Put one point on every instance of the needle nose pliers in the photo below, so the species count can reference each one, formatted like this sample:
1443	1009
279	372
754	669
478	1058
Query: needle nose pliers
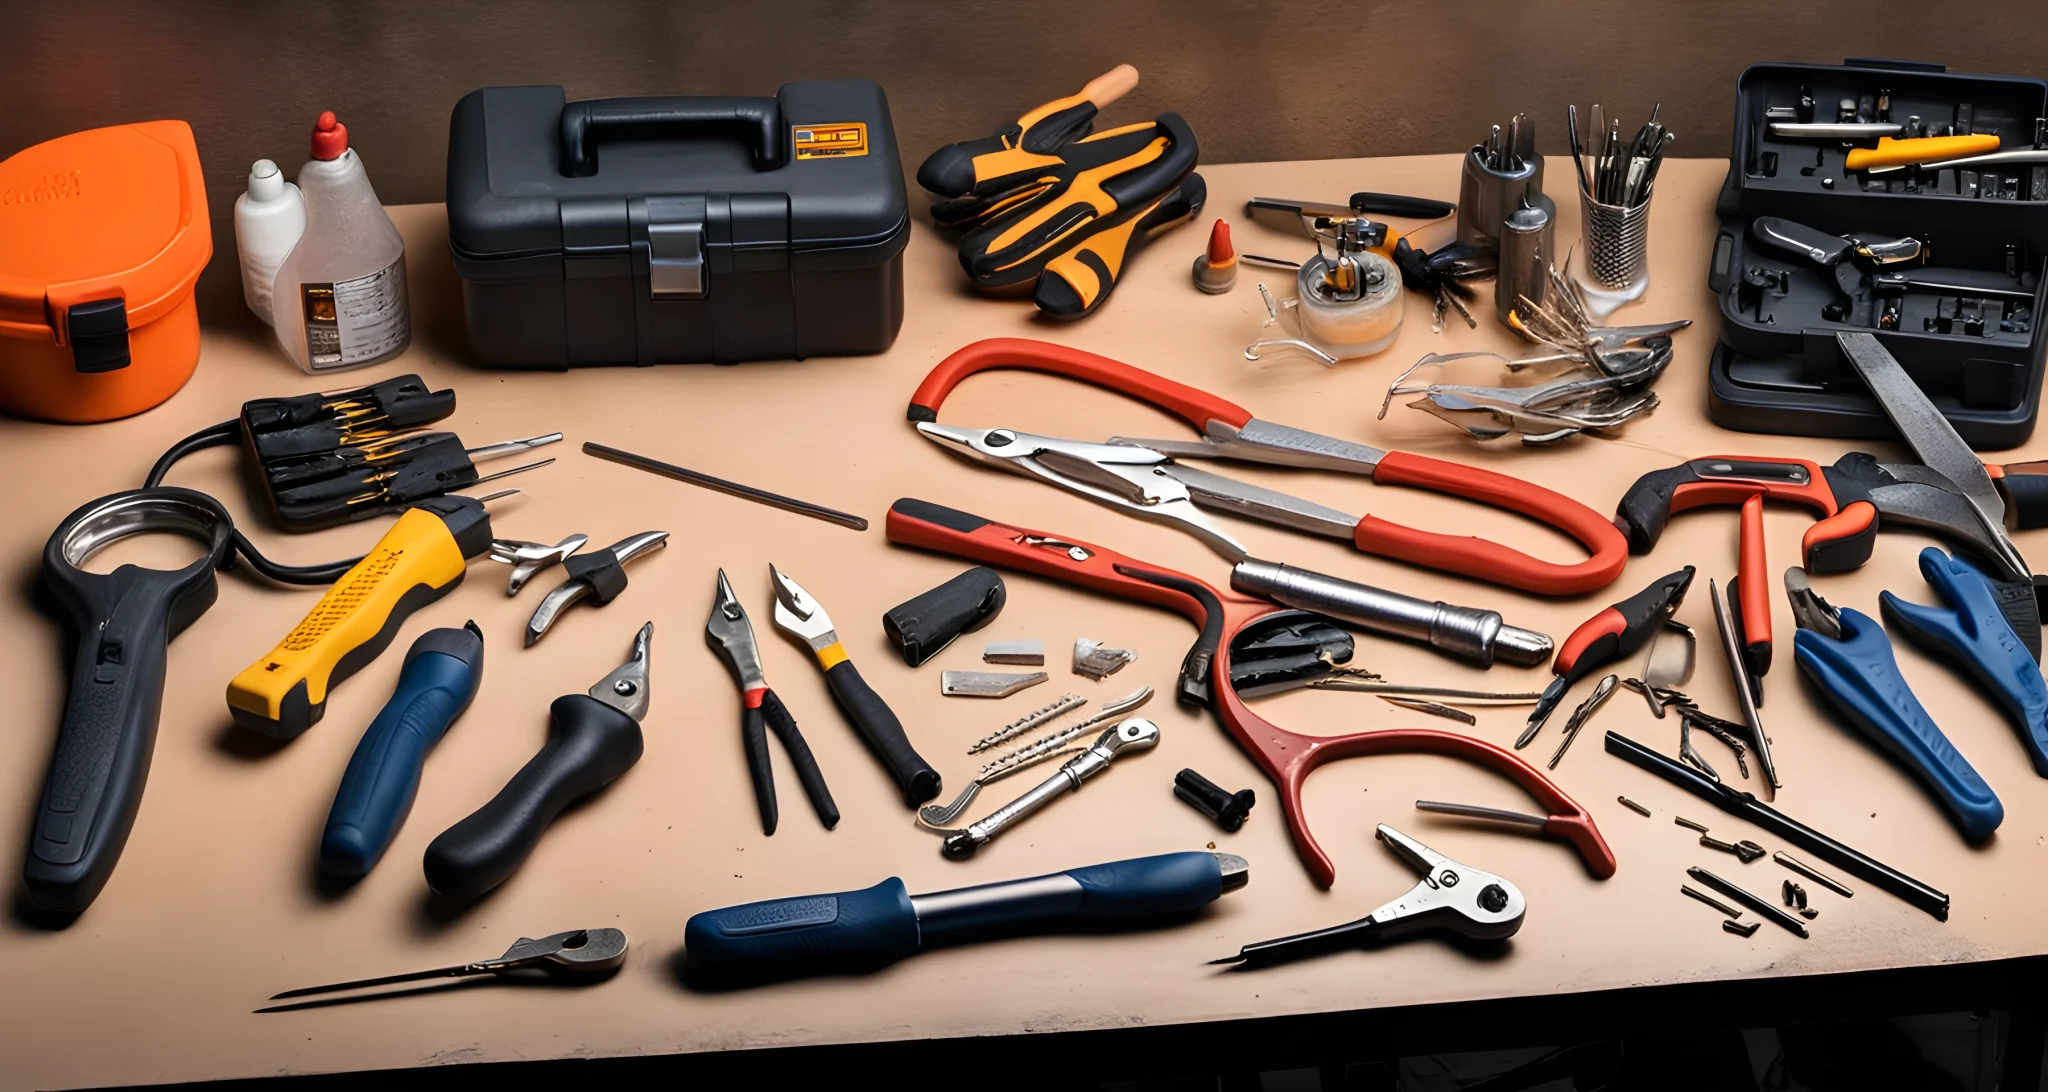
732	634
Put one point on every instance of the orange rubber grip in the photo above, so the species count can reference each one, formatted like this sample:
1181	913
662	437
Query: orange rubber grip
1754	584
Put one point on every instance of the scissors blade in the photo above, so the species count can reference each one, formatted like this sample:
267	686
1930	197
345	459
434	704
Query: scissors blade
1224	494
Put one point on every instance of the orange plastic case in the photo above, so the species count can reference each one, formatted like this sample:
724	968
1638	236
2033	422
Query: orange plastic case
102	237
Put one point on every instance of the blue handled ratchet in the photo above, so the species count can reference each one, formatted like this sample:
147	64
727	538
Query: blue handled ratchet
440	677
1847	655
1973	632
855	931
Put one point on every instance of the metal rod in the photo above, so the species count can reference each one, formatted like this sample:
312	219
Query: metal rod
1812	873
748	492
1764	907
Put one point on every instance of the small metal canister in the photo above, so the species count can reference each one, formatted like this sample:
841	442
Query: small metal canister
1486	196
1524	272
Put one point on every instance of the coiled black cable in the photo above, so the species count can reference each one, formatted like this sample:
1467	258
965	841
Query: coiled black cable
221	435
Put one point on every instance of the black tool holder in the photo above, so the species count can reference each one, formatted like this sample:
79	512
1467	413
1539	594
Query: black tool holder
1777	368
311	453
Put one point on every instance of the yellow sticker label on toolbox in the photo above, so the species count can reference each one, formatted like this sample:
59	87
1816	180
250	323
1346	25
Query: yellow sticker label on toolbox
830	141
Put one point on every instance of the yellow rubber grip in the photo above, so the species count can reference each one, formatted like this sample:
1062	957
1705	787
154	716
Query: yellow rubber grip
1891	152
413	564
832	655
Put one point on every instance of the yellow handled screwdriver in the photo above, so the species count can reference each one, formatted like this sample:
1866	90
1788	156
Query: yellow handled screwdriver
1891	152
419	560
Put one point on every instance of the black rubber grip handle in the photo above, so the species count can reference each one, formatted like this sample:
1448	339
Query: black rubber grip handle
1394	204
799	751
589	745
94	787
884	733
756	121
754	738
922	625
2026	490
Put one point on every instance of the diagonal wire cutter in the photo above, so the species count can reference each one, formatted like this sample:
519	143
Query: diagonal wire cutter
732	634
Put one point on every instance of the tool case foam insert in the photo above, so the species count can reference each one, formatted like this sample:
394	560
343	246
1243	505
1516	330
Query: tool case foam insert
674	230
1787	375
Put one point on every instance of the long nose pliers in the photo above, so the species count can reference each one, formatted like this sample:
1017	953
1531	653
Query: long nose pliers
732	634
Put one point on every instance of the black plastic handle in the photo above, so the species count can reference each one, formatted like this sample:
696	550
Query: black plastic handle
2025	486
754	740
757	122
884	733
799	751
589	745
1368	203
125	621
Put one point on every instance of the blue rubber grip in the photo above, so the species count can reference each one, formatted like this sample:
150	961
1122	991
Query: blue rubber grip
1860	676
810	934
440	677
1974	632
1170	883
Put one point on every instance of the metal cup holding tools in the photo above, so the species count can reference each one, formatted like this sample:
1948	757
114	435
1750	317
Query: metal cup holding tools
1616	242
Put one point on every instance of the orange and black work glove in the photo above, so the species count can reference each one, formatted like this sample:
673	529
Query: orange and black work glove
1048	202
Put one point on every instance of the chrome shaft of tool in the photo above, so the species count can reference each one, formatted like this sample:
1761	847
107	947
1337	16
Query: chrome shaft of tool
1466	633
1731	647
529	558
1602	690
1133	735
1044	749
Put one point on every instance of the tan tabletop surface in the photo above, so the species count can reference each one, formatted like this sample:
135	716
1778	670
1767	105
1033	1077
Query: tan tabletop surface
214	905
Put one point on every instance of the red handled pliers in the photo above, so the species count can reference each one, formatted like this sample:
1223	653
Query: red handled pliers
1286	757
1231	432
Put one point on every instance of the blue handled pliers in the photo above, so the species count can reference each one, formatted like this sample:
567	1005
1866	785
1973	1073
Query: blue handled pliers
1848	656
1974	632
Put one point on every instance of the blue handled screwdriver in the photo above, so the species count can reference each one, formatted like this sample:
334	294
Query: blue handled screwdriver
864	930
437	682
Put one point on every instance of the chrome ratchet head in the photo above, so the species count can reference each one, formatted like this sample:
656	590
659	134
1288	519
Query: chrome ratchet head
1452	896
1135	734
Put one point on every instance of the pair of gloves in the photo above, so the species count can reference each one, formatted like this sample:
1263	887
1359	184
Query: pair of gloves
1050	206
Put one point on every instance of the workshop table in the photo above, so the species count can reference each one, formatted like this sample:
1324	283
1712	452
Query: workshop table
215	904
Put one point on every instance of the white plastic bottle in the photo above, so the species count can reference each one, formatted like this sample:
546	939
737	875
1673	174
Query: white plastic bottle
339	300
269	219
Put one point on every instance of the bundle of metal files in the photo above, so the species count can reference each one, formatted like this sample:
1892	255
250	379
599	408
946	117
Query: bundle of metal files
1597	379
1623	176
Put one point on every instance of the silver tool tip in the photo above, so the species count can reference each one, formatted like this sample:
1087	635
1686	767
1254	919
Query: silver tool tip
1237	871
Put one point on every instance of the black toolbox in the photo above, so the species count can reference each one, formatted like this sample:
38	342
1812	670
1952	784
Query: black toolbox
1979	352
676	230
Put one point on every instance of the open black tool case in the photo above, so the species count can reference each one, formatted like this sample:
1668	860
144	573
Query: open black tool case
1978	350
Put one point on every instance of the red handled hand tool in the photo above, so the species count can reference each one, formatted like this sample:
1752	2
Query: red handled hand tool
1854	498
1231	432
1606	637
1286	757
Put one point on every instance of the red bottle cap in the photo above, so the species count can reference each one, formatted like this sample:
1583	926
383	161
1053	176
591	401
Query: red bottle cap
330	137
1220	253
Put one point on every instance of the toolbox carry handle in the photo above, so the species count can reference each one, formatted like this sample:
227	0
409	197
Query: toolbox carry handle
756	121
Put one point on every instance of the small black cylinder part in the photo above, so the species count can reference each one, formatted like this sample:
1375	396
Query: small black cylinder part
922	626
1227	808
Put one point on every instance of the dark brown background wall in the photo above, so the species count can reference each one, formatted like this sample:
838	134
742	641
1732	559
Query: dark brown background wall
1283	79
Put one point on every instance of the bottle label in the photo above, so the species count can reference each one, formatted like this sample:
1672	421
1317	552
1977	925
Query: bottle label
356	321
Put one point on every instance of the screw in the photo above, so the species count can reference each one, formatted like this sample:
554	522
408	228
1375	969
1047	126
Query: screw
1633	806
1492	898
1808	912
624	688
1742	930
1228	809
1689	824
